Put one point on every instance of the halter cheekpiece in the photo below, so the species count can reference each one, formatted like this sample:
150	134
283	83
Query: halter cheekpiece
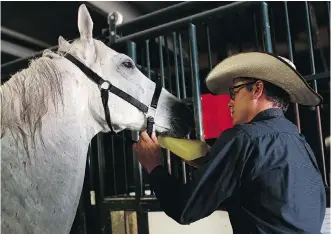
105	87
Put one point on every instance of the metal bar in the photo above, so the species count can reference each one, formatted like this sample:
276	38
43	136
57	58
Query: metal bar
129	204
178	94
90	169
15	50
184	92
256	32
174	41
182	64
238	40
142	221
219	11
148	62
196	82
169	161
101	165
168	63
143	68
272	29
161	61
314	86
266	27
210	63
24	37
135	136
156	14
92	203
290	51
113	162
112	27
318	76
167	152
105	220
124	164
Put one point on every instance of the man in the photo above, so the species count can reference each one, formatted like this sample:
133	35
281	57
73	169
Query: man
262	171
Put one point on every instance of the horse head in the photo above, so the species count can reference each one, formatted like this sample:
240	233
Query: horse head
173	117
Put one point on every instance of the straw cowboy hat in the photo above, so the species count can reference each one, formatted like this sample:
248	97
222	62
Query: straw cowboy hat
263	66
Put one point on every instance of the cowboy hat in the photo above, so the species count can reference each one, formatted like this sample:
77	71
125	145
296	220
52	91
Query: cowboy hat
263	66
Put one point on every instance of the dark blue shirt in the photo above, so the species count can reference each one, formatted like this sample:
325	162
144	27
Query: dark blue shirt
263	173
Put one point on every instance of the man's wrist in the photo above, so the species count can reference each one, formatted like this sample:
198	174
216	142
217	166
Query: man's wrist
151	168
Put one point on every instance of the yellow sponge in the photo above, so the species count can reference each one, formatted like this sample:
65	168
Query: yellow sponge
184	148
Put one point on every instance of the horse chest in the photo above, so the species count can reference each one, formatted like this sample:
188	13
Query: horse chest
40	195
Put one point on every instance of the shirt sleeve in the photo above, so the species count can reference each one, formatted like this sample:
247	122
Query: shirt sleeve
215	181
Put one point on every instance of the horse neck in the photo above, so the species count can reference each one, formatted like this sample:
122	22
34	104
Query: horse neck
48	179
66	127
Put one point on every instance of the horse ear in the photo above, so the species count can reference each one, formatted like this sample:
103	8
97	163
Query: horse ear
63	42
85	23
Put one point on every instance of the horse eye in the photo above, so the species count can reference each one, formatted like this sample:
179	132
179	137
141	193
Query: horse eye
127	64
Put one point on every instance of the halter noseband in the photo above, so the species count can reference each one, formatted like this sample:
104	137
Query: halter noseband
105	87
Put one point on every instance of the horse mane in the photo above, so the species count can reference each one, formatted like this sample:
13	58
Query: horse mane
25	98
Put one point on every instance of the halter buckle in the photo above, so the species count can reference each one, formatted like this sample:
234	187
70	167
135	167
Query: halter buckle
102	85
151	112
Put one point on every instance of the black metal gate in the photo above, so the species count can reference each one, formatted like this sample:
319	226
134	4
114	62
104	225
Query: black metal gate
180	51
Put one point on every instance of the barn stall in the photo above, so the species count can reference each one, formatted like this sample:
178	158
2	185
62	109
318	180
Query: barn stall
177	46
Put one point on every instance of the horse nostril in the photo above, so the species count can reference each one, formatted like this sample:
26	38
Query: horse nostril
188	102
186	114
182	118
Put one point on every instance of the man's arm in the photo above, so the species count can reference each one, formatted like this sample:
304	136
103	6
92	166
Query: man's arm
215	181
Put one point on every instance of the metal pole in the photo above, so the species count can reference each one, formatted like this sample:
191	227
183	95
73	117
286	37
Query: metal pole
148	62
314	86
266	27
113	162
182	64
169	161
101	165
161	61
135	136
174	41
155	14
24	37
168	64
196	83
290	51
124	164
184	91
219	11
256	31
210	63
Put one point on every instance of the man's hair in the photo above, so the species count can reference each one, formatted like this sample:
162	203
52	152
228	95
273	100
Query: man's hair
278	96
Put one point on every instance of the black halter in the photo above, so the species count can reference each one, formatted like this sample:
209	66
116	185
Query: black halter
105	86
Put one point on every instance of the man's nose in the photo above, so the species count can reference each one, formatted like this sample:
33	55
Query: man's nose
230	104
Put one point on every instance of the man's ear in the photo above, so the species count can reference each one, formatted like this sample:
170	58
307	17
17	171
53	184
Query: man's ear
258	89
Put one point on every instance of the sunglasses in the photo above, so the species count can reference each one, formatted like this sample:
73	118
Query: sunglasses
239	87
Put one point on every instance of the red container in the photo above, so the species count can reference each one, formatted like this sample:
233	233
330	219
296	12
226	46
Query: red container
215	114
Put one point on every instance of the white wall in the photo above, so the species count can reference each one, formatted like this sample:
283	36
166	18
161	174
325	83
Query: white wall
216	223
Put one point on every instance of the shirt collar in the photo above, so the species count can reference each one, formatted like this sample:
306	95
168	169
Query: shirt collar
268	114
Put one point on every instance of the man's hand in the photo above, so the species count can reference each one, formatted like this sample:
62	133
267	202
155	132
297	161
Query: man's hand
148	151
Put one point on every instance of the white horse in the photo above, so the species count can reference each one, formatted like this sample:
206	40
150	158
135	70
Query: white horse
49	114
